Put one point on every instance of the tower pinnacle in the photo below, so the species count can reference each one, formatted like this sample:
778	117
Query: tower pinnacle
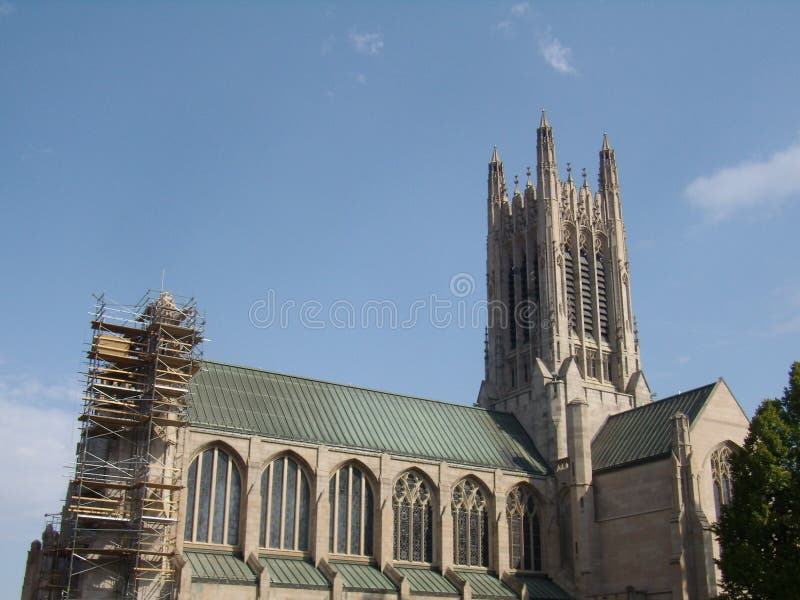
543	121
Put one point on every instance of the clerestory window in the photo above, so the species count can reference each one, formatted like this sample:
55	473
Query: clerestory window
413	518
213	498
470	525
524	530
285	499
352	508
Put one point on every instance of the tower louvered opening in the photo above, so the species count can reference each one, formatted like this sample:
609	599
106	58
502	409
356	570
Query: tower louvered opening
602	299
569	277
526	331
512	307
586	297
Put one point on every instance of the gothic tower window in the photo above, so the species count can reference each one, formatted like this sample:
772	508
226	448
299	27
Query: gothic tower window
586	297
721	478
413	518
524	530
602	297
352	509
470	525
285	495
512	309
213	497
526	326
569	275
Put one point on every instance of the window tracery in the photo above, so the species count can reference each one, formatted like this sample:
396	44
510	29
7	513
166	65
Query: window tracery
721	478
413	519
524	530
470	525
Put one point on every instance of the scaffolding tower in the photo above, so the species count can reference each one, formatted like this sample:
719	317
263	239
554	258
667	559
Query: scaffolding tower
119	525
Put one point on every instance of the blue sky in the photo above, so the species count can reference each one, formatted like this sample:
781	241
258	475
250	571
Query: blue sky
337	152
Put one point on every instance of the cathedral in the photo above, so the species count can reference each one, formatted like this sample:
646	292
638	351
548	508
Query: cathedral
201	480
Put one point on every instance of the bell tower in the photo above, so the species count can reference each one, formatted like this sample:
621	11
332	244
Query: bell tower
560	320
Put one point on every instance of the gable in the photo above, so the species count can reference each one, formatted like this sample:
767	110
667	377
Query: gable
644	432
244	400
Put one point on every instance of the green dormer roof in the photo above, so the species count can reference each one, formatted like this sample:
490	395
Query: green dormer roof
286	407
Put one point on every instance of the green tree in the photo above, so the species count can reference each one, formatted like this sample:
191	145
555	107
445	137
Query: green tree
759	530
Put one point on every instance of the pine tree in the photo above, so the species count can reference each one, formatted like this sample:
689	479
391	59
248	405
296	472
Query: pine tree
759	530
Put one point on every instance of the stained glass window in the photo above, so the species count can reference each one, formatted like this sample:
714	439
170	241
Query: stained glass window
524	530
721	478
470	531
351	504
413	519
213	496
285	504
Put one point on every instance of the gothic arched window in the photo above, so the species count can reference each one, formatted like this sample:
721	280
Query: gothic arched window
470	525
721	478
285	499
602	296
524	530
569	276
413	518
351	504
586	296
213	498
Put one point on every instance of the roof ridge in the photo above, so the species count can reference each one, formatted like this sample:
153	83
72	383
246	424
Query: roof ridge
360	387
657	402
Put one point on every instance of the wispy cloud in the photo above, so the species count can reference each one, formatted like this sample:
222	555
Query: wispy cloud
361	78
556	55
505	27
520	8
748	184
367	43
6	8
37	431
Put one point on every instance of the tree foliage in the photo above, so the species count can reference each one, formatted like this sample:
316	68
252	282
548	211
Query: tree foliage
759	530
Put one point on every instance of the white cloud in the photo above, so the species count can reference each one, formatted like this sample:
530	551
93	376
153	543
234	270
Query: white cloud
6	8
361	78
505	27
367	43
520	8
38	430
748	184
556	55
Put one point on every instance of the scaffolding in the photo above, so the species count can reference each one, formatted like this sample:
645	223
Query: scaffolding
118	530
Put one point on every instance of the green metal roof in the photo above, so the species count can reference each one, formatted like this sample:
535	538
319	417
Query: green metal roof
485	585
252	401
427	582
293	573
220	567
359	577
541	588
644	433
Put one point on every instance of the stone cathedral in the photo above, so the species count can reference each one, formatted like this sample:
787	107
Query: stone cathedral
200	480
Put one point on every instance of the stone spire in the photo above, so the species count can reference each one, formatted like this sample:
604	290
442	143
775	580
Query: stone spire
608	167
497	191
546	165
